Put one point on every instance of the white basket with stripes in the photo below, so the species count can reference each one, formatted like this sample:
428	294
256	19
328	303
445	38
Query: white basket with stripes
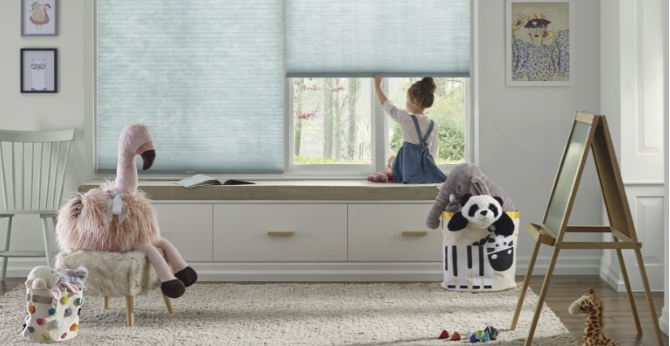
475	259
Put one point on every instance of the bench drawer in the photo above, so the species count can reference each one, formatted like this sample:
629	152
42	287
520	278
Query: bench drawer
280	232
392	233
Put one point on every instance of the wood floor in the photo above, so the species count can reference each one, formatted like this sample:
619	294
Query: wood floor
619	324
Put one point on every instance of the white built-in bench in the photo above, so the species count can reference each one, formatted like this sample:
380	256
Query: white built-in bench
300	230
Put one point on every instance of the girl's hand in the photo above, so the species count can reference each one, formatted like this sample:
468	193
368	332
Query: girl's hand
378	80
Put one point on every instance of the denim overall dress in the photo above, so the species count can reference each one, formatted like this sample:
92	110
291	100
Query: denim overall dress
414	164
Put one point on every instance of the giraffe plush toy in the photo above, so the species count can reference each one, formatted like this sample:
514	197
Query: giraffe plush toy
591	305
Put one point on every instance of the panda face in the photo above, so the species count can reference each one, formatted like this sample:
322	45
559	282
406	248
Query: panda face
481	211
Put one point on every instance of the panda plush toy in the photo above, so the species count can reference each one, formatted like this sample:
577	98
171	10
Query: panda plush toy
485	211
482	211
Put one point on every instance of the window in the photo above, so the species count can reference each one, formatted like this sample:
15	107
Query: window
333	122
271	87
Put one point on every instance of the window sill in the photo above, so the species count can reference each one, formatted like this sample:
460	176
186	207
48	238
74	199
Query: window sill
303	190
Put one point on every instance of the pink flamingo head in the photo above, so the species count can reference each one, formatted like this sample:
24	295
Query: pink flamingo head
134	140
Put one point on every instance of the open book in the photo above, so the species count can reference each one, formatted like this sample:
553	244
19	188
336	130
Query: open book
203	180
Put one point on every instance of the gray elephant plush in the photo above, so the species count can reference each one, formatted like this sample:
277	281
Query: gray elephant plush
463	179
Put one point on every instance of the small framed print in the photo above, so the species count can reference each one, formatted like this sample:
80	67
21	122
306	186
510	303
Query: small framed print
39	17
39	70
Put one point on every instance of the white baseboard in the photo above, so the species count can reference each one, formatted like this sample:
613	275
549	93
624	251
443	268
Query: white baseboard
337	271
612	276
663	320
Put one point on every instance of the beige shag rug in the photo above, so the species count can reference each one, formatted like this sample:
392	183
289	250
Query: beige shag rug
301	314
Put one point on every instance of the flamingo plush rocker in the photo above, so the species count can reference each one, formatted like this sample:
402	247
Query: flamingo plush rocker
117	217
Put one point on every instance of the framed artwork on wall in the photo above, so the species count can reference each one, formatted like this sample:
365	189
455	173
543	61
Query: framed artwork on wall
38	70
538	42
39	17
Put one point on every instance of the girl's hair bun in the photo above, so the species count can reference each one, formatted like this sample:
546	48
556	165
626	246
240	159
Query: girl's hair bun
428	84
423	91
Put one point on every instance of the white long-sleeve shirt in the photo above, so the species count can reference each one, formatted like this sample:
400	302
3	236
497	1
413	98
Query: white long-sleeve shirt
409	130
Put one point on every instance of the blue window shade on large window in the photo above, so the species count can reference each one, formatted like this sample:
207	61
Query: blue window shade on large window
361	38
205	76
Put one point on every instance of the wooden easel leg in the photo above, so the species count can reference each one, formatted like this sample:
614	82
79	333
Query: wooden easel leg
543	294
526	282
129	310
168	303
647	292
106	303
628	290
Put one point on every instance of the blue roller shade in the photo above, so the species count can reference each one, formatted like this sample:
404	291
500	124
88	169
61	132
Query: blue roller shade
206	76
361	38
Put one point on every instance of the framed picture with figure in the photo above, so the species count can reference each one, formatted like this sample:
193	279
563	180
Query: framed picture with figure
538	42
39	70
39	17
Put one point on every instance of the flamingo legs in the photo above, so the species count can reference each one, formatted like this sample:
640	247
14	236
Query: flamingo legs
170	285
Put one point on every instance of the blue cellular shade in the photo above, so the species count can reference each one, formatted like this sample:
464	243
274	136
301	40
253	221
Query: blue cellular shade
205	76
362	38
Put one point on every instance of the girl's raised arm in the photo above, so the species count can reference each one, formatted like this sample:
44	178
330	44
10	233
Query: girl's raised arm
378	90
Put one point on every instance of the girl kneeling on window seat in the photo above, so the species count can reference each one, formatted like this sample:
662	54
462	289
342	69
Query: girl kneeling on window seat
414	163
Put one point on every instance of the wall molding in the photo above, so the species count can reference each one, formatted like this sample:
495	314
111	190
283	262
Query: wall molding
340	271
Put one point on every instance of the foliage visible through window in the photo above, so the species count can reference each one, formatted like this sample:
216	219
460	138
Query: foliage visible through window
448	111
332	120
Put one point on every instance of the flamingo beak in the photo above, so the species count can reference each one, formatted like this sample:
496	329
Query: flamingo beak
148	158
148	154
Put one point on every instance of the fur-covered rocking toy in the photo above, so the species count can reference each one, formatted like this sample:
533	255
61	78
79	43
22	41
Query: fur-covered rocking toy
118	218
591	305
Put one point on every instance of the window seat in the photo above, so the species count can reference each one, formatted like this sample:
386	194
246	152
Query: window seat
303	190
300	230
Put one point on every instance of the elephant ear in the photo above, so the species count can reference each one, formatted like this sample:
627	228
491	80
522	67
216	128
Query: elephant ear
479	186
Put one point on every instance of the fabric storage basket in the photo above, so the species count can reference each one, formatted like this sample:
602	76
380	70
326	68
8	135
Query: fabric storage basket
51	320
475	259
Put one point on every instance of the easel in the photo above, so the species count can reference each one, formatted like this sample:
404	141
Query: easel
588	131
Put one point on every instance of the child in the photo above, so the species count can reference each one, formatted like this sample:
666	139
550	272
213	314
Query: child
414	163
386	176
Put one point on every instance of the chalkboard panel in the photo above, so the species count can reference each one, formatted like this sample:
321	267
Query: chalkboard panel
566	178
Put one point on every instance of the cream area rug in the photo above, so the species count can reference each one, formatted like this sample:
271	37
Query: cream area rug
301	314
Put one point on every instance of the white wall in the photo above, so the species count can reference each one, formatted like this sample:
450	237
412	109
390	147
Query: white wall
632	87
70	107
522	133
663	320
523	130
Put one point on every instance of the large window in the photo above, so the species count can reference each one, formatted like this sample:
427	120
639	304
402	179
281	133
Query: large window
333	122
276	88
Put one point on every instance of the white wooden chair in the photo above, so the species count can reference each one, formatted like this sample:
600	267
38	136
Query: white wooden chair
32	166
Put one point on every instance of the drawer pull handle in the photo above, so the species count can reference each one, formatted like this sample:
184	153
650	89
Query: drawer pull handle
280	234
414	233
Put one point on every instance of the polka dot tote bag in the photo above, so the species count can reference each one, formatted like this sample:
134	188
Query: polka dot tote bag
48	319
